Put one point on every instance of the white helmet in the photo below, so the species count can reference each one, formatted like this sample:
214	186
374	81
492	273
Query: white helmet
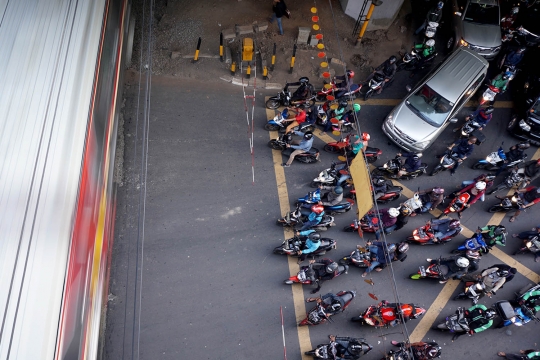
462	262
430	43
480	185
393	212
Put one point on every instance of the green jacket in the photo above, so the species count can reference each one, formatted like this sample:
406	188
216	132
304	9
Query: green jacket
531	300
488	233
477	318
426	51
499	82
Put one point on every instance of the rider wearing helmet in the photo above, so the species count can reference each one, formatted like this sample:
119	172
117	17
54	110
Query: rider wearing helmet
463	148
311	245
433	15
345	84
514	57
324	269
431	198
482	116
529	196
501	81
331	303
493	278
337	113
397	253
517	151
402	219
457	267
476	190
344	347
333	197
381	254
445	228
479	318
380	186
411	163
388	69
315	217
425	50
474	260
531	169
494	235
304	90
299	146
421	350
530	235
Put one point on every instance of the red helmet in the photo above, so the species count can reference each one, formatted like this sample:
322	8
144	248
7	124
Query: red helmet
350	73
365	136
538	161
317	209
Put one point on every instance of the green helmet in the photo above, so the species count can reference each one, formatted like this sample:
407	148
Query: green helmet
356	107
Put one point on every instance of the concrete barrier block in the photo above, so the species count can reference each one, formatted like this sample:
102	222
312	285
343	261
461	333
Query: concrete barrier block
228	34
303	35
228	55
244	29
261	27
313	41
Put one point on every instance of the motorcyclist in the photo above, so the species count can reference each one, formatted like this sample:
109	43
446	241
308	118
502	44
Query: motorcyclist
463	148
482	116
444	228
411	163
345	348
431	198
299	117
530	354
529	235
501	81
349	116
380	187
488	179
304	90
337	114
388	69
421	350
516	152
323	270
401	220
457	266
493	279
479	318
433	15
314	218
299	146
360	142
311	114
425	50
333	197
380	254
529	196
398	255
476	190
514	57
508	20
388	218
311	245
494	235
331	303
531	169
345	84
474	260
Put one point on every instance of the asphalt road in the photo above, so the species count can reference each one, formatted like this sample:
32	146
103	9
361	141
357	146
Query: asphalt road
210	287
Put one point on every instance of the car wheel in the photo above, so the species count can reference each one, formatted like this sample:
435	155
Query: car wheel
450	44
512	124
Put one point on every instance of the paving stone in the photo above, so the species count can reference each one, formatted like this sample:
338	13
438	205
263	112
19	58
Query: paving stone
175	54
303	35
244	29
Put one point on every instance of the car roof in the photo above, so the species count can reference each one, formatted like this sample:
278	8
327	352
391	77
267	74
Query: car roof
485	2
457	72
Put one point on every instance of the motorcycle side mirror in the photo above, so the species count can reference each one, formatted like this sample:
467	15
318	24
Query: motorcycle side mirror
408	88
453	120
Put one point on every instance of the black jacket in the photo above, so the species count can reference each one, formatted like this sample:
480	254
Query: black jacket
279	8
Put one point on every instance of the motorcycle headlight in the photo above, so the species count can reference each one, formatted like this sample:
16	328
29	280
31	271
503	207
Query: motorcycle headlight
390	121
524	126
369	321
421	144
463	43
526	86
529	244
385	166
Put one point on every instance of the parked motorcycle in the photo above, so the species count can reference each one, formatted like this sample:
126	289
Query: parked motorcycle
386	314
328	351
375	84
293	245
516	179
531	245
507	204
495	160
457	204
279	123
448	161
331	90
391	169
322	313
313	197
283	98
424	235
306	275
297	218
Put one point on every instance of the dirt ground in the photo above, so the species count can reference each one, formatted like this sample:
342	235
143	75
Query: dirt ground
178	25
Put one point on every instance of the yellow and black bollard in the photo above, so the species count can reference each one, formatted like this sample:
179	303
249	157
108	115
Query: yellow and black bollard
233	68
221	47
265	72
273	58
197	51
248	71
366	22
292	59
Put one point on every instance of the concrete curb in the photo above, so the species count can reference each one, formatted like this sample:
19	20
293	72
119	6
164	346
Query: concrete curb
236	80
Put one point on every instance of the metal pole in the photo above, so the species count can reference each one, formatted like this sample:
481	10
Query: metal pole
366	22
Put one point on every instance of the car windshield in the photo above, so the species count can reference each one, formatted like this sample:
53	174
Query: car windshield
535	109
482	14
430	106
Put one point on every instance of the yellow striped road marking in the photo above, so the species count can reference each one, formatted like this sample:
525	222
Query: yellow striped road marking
298	295
394	102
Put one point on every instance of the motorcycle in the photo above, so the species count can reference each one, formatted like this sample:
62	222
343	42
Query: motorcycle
457	204
401	354
331	90
319	314
391	169
360	257
524	306
516	179
424	235
322	118
507	204
327	351
495	160
293	245
327	177
375	84
476	243
448	161
340	146
392	192
385	314
413	61
531	245
306	275
366	224
283	98
488	96
307	157
459	324
279	123
435	271
472	290
297	217
468	128
313	197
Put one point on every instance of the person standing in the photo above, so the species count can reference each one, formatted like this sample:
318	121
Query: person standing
279	10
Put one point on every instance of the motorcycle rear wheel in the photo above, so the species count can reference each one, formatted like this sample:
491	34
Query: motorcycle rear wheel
479	166
348	228
437	170
331	149
306	159
274	145
442	326
272	104
368	94
278	250
496	208
288	282
415	276
358	319
271	127
371	159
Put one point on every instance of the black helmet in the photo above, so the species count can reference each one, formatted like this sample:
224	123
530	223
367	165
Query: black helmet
433	351
379	181
335	306
502	272
343	103
331	268
304	80
488	110
403	247
417	157
316	237
308	135
392	59
490	314
500	230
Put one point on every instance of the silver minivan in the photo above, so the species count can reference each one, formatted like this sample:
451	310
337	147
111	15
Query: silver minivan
424	114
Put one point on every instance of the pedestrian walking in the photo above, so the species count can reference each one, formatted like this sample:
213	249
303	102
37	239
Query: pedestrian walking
279	9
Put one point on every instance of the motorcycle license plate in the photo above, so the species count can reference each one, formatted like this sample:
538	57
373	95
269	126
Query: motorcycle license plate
489	95
422	271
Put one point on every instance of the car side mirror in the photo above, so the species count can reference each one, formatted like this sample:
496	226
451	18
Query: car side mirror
408	88
453	120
